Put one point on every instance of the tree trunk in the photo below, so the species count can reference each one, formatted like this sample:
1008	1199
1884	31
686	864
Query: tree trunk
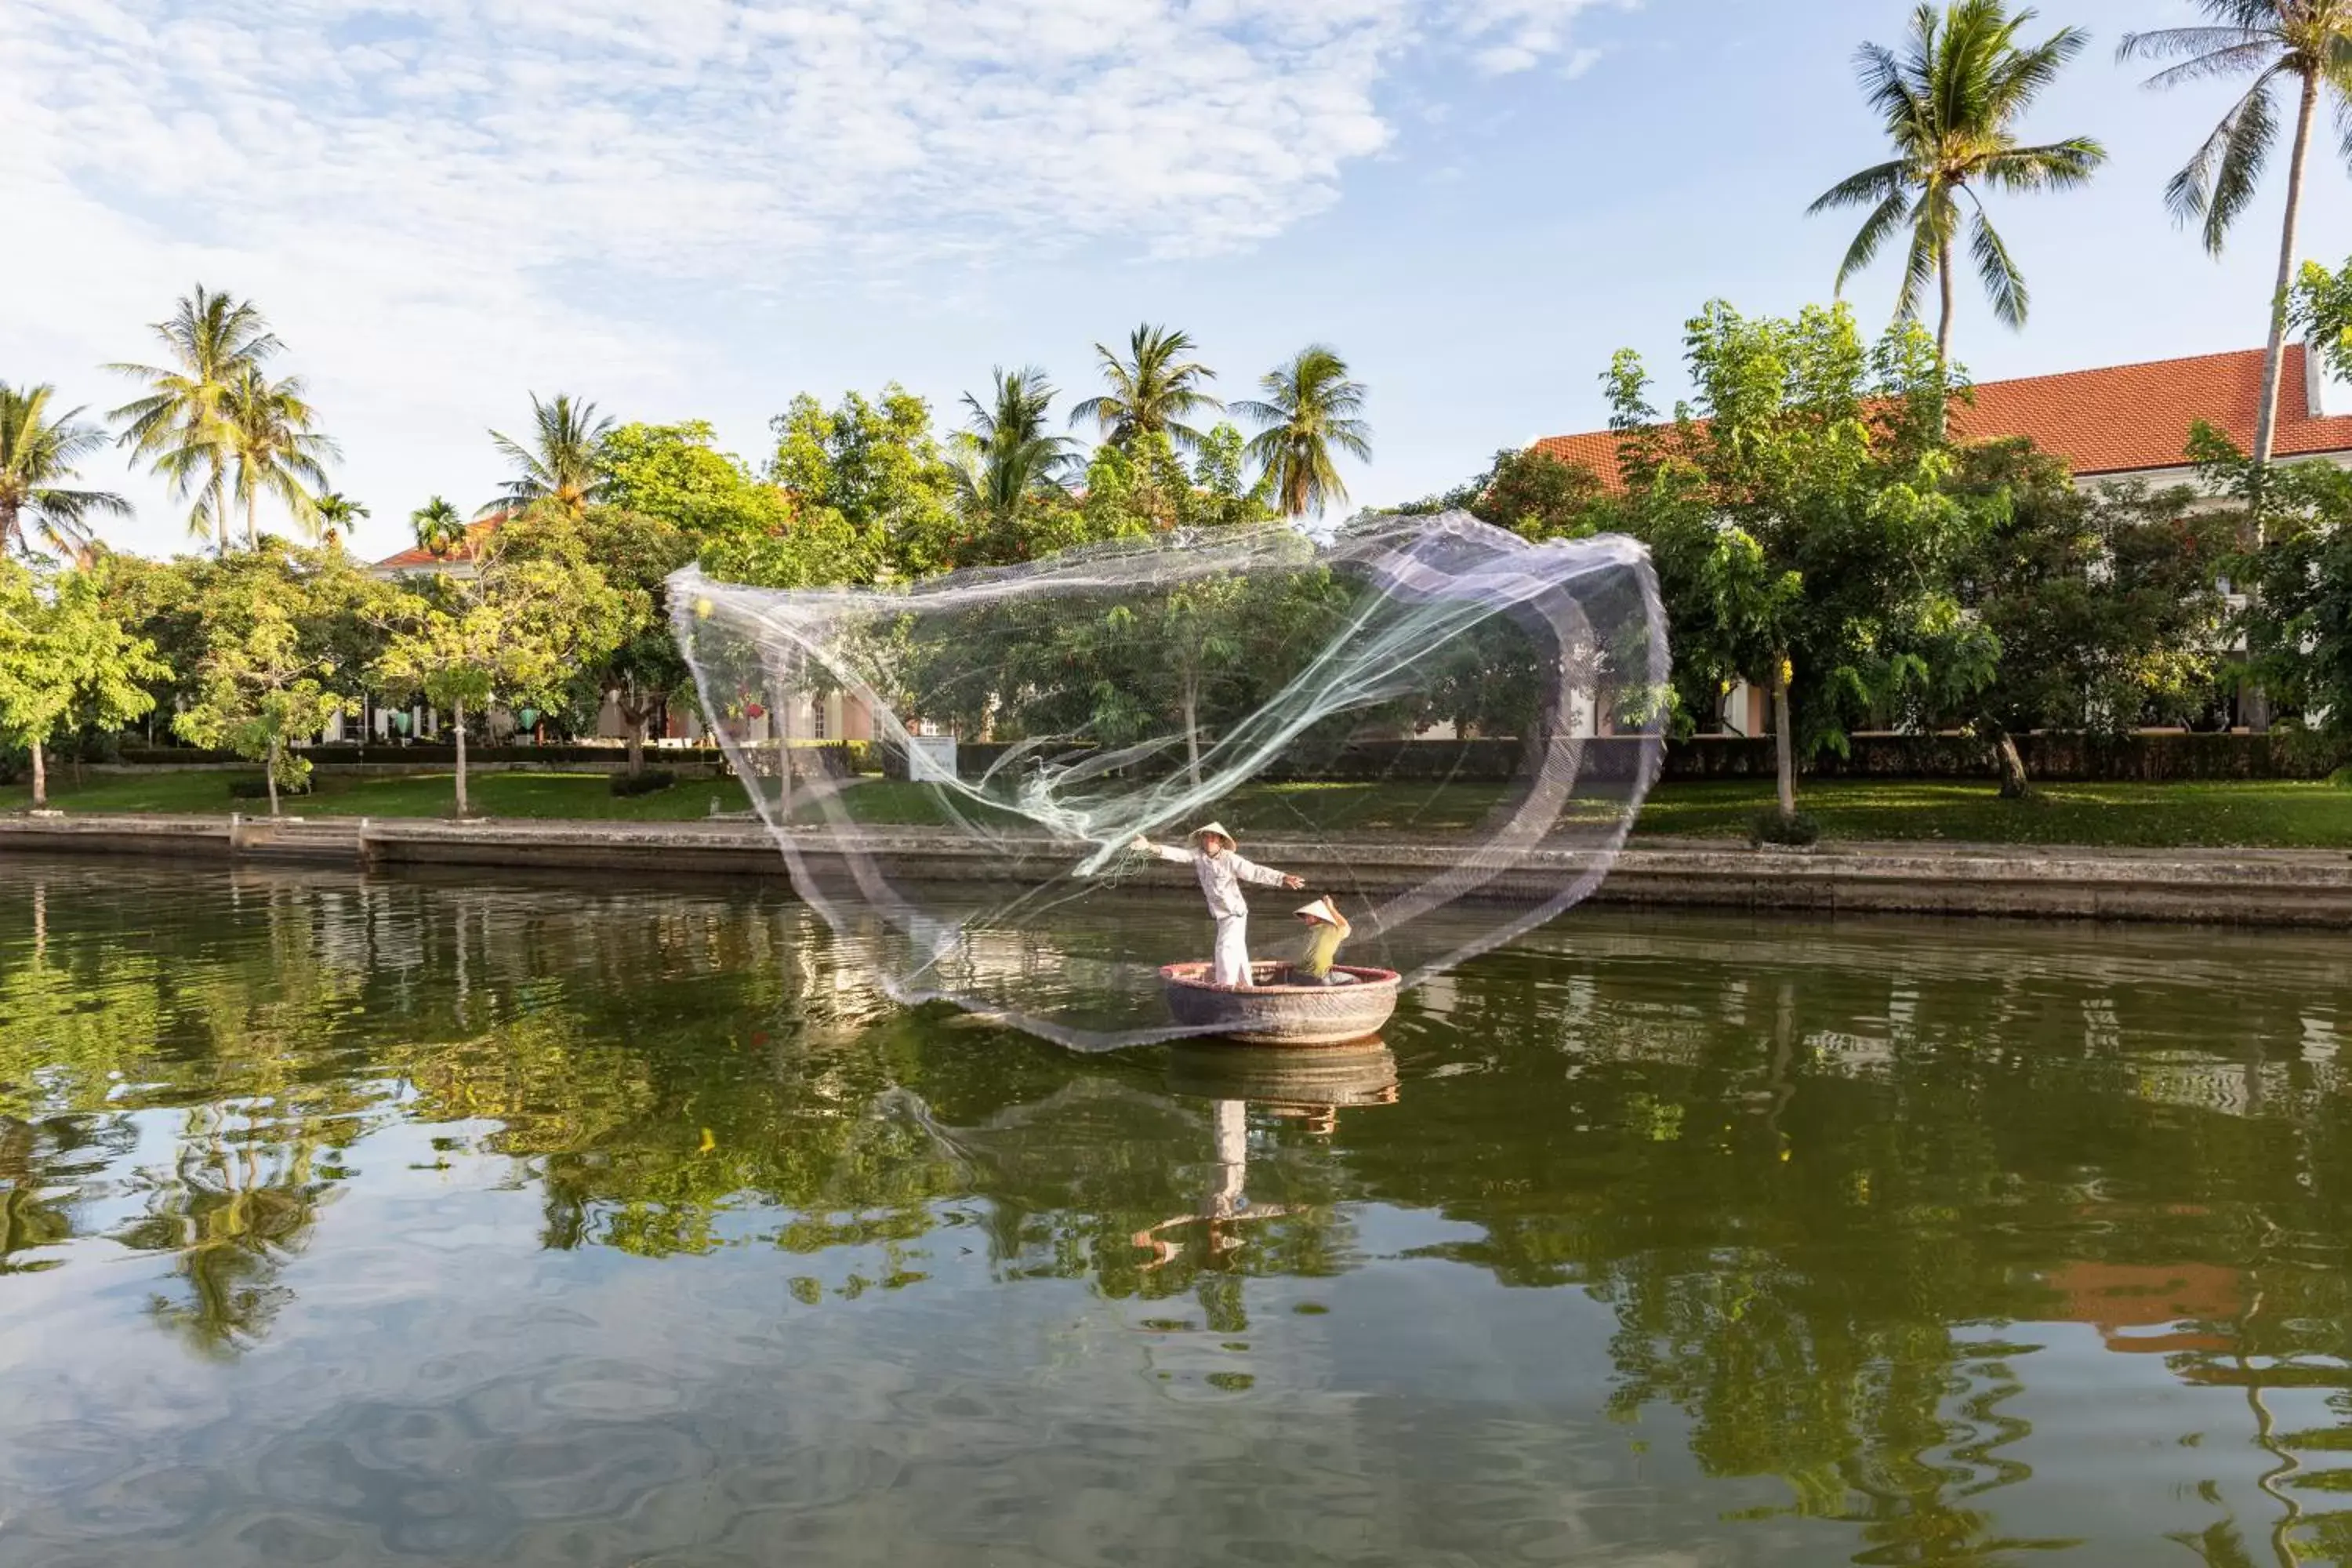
252	512
458	716
2013	782
9	524
1944	337
2273	362
1784	744
40	777
269	775
636	745
1193	727
220	517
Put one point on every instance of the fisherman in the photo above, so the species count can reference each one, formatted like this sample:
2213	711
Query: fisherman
1222	870
1326	927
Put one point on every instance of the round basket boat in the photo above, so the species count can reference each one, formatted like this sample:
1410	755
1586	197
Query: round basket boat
1272	1014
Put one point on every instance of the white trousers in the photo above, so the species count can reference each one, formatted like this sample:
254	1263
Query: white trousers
1231	962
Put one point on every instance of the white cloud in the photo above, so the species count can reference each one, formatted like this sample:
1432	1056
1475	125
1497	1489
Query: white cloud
424	183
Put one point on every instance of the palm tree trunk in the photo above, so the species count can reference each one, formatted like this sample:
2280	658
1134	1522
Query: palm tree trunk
40	777
2266	417
1944	321
1784	744
252	507
459	717
9	524
220	515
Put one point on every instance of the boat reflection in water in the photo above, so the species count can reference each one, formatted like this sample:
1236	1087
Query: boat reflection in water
1311	1086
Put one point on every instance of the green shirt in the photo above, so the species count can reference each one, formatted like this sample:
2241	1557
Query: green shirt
1322	946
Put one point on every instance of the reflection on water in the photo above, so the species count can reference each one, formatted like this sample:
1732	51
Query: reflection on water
370	1222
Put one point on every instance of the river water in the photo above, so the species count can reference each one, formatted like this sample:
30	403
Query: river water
400	1222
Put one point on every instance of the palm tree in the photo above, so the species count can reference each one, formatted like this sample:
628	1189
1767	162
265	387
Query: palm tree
336	513
1310	409
563	464
38	454
1951	104
2307	40
1152	391
276	448
1007	457
179	426
439	526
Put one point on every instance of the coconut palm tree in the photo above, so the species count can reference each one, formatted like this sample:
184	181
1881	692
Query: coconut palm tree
38	454
1006	456
2305	43
1950	103
564	462
276	448
336	512
438	527
1310	411
1152	391
179	426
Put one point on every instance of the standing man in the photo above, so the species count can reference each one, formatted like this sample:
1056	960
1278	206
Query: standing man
1222	870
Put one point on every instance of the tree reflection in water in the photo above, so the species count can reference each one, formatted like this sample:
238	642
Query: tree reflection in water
1843	1190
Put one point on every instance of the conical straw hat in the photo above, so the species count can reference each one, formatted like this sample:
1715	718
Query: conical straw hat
1220	829
1321	909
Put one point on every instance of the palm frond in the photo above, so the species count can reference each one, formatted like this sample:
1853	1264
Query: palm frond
1877	229
2220	177
1870	187
1920	263
2004	285
2236	60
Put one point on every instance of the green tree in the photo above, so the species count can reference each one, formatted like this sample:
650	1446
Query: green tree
1951	104
514	630
560	462
2294	528
282	636
66	660
676	473
873	495
276	448
1309	415
338	514
2305	43
38	452
636	665
1153	391
1006	462
1221	476
2104	605
438	525
181	426
1798	514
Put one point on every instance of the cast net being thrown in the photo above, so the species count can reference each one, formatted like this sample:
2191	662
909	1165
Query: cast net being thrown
1444	727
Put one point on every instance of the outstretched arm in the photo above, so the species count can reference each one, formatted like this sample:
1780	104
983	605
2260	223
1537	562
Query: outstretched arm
1175	852
1265	876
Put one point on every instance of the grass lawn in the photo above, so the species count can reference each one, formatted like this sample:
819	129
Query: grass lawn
2136	815
338	794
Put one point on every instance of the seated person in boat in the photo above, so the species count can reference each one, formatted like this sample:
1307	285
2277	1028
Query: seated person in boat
1326	927
1218	863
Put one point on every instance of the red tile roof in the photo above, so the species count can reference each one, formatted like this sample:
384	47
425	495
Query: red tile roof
2119	419
418	558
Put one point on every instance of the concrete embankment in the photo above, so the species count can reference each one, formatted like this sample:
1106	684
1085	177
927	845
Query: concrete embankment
2276	887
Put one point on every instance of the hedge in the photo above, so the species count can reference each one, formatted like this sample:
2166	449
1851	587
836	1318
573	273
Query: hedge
2154	756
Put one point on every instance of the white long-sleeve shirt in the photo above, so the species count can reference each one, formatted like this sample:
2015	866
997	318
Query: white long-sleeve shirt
1221	877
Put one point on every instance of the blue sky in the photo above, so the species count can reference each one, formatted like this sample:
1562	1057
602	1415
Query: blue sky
699	207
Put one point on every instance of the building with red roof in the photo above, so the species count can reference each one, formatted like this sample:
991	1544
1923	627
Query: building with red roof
2120	422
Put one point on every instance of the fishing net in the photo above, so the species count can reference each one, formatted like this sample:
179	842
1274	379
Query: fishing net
1445	728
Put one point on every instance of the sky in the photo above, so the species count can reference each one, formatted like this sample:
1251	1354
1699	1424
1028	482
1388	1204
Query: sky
697	209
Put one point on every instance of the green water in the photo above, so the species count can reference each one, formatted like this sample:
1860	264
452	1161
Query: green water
369	1222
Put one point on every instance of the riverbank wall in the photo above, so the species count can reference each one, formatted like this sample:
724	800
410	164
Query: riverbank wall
2254	888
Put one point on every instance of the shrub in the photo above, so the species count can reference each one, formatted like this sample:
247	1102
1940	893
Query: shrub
1770	826
646	783
258	789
